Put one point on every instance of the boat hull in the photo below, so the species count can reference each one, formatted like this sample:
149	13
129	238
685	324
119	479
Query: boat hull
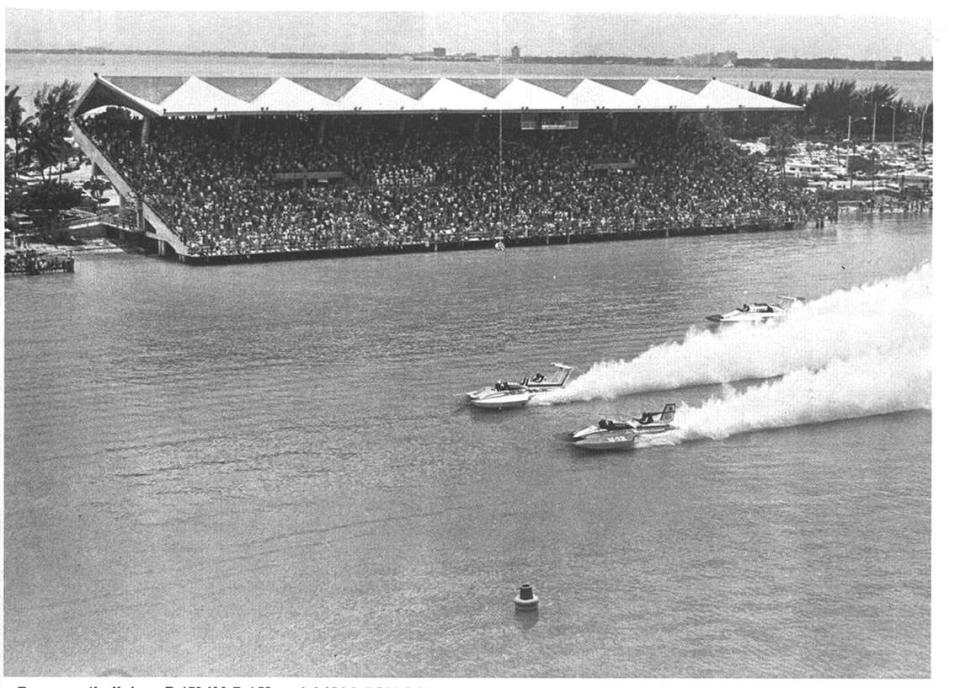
608	441
502	401
627	438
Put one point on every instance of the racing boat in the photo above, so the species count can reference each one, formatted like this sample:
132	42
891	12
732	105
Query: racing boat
755	312
624	433
509	394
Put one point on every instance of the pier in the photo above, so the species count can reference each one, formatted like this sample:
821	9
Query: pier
32	262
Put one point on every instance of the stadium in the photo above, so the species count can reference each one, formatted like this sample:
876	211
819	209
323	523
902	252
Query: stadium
226	169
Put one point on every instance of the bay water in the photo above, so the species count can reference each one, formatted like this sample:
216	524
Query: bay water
270	469
31	71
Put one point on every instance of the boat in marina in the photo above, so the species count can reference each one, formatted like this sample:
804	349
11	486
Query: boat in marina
612	434
505	394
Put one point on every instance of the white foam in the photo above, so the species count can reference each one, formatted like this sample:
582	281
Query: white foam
882	322
870	385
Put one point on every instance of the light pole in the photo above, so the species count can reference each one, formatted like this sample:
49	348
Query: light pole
850	121
923	119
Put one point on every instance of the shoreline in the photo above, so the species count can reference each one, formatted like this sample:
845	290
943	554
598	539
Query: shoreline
829	63
107	245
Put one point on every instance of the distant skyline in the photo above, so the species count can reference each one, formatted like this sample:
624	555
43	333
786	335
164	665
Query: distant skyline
541	33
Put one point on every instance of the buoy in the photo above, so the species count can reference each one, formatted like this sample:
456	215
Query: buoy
526	600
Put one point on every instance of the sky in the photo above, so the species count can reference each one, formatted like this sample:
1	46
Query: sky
683	27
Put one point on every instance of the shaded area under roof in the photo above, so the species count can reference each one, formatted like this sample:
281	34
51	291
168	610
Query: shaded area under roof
244	88
102	93
331	88
628	86
414	88
490	87
562	87
690	85
152	89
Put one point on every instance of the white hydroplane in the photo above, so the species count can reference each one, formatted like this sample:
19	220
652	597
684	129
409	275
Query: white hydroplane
755	312
509	394
624	433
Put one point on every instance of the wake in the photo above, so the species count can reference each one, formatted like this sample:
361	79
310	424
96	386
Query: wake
882	326
866	386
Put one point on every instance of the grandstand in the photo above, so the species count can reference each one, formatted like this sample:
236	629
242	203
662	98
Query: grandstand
228	168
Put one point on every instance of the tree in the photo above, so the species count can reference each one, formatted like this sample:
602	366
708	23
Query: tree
47	201
882	94
15	126
782	141
877	96
830	105
47	141
784	93
801	95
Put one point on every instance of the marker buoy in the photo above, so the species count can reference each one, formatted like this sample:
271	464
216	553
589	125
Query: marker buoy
526	600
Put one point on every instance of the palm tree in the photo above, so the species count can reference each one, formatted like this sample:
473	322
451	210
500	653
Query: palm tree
15	126
830	105
48	139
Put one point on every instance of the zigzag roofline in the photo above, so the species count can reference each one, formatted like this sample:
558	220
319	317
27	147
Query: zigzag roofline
161	96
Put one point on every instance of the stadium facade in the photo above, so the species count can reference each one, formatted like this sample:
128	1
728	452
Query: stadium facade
554	103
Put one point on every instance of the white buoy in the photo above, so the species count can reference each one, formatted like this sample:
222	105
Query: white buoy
526	601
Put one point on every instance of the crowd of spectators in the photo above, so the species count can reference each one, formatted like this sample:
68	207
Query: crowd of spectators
244	185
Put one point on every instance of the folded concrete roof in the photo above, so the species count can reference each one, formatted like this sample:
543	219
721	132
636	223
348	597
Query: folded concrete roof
178	96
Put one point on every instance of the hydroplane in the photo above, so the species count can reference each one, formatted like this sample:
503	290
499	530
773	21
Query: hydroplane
756	312
612	434
504	394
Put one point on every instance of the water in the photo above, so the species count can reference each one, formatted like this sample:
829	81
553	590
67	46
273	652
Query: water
268	469
31	70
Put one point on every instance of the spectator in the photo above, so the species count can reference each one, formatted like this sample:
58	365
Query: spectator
214	181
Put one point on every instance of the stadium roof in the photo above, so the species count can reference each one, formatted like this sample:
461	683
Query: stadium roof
178	96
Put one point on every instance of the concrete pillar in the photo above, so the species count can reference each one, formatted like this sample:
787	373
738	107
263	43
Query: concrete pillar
161	248
145	131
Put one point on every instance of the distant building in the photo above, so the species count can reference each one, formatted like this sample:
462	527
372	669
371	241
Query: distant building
727	58
439	52
515	52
